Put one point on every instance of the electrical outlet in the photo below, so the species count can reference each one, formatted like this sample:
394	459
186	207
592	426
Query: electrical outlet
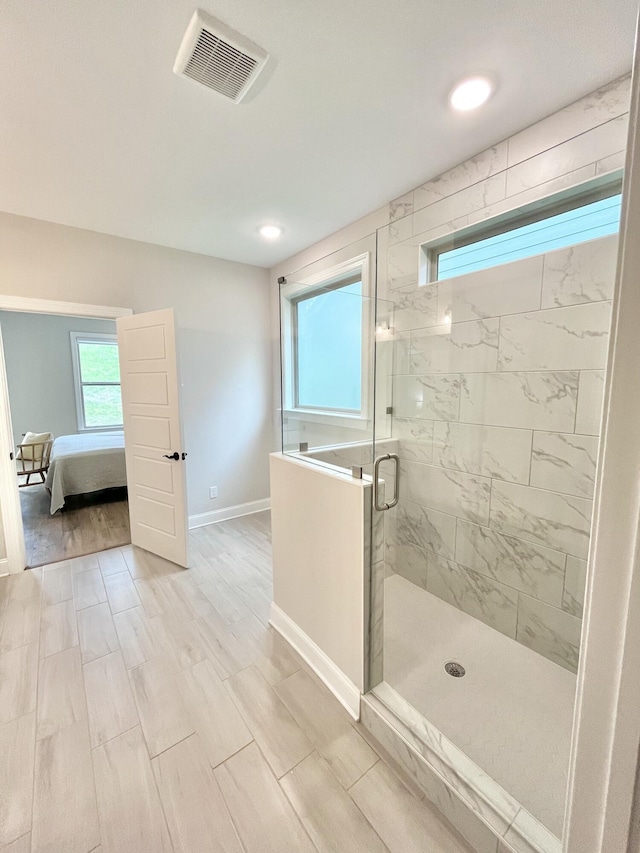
213	492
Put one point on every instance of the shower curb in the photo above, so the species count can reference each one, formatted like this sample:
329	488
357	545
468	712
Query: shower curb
489	819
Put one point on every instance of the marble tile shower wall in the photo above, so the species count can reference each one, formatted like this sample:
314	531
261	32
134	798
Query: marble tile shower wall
497	387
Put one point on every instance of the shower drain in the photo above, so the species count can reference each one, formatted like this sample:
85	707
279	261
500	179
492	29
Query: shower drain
455	669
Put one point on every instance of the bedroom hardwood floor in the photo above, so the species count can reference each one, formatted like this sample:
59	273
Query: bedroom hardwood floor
149	709
85	526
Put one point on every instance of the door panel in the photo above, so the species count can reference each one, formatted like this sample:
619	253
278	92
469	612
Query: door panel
151	408
153	473
147	343
149	388
151	431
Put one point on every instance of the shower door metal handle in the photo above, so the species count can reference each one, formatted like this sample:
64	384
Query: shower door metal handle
396	491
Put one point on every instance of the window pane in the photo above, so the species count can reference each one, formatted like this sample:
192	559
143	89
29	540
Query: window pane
102	405
329	349
598	219
99	362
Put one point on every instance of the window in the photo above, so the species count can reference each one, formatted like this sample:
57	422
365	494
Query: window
97	380
328	352
544	231
325	336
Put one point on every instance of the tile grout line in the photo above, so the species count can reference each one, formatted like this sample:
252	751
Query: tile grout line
86	704
157	789
35	722
284	793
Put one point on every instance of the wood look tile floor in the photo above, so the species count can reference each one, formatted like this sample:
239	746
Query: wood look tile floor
150	709
88	523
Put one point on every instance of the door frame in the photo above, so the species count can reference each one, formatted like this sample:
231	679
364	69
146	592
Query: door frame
9	494
603	794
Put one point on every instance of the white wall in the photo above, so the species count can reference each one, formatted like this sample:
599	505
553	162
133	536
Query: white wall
37	350
222	313
3	546
319	573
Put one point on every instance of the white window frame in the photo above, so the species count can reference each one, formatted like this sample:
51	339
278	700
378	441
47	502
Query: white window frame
291	293
88	338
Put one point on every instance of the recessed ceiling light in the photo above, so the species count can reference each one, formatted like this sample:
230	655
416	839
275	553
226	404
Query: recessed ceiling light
470	93
271	232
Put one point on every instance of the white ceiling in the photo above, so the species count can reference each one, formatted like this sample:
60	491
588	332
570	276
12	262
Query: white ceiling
97	132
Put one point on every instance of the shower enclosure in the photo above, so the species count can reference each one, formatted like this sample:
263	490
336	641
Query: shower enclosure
475	405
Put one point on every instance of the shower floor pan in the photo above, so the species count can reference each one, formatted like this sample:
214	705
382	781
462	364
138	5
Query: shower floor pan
510	713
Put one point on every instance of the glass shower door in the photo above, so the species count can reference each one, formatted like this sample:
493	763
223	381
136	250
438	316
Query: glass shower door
490	392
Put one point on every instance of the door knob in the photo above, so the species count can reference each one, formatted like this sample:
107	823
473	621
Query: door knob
175	456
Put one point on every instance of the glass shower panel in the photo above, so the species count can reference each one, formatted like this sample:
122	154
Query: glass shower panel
328	363
494	404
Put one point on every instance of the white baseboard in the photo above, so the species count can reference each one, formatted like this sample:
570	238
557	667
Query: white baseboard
4	567
342	687
228	512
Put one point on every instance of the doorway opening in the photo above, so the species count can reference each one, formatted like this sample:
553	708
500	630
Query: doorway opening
65	403
37	374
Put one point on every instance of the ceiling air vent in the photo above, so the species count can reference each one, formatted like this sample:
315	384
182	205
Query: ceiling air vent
217	57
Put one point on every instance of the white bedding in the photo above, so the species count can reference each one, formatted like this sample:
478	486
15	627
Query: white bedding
85	463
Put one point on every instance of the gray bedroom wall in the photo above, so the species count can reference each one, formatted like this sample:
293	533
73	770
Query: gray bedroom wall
37	351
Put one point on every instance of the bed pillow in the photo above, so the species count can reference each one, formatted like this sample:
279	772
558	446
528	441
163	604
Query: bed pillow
32	438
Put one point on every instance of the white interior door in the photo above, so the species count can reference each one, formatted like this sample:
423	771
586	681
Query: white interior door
153	434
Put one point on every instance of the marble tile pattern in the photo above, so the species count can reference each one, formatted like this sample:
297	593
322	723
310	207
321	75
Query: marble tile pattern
450	207
611	163
445	490
571	338
582	273
473	171
543	517
401	207
400	230
475	594
594	109
552	632
498	385
590	400
575	580
538	571
435	397
486	450
455	349
583	149
564	463
543	400
496	292
427	528
416	307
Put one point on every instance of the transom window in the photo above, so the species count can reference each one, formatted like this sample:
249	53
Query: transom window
542	231
97	380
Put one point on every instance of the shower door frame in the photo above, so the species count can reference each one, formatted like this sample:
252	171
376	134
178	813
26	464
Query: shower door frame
602	800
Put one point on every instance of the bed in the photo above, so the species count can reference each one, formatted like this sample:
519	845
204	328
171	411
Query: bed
85	463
